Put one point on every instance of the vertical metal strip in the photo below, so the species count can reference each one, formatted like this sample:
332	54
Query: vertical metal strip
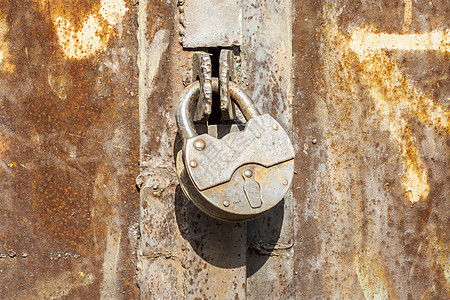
310	279
160	273
183	253
267	53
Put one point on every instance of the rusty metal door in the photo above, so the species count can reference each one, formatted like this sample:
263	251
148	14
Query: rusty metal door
88	93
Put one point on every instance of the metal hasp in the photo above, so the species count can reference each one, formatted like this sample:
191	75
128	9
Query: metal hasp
211	23
202	71
242	175
226	73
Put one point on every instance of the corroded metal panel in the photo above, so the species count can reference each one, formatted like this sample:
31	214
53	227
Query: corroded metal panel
68	149
371	121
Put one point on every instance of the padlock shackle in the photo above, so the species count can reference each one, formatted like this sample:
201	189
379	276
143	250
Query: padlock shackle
189	98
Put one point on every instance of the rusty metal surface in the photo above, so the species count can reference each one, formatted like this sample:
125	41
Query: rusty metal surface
370	115
159	270
68	150
185	253
211	23
369	99
371	120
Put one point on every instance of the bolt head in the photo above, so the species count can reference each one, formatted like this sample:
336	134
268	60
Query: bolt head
199	144
193	164
314	141
248	173
226	203
285	182
258	135
275	127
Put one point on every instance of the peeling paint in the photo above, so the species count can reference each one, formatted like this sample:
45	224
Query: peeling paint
372	277
397	99
5	65
366	42
82	43
94	34
112	11
407	15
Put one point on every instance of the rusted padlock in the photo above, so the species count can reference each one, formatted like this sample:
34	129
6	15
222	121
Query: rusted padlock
240	176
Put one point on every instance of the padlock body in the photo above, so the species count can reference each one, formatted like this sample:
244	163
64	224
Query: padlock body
242	175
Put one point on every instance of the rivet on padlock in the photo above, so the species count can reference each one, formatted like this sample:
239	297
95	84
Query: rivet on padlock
242	175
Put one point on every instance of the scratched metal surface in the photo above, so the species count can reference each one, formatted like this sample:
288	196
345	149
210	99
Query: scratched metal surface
371	109
180	257
68	149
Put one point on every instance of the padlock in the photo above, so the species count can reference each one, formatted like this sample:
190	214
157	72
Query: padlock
240	176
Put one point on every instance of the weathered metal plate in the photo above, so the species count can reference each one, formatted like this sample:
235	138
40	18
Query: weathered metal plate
371	142
212	23
263	142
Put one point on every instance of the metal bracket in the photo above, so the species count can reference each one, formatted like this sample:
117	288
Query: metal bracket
211	23
202	70
226	73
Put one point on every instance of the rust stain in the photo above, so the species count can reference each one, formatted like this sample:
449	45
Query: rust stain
82	37
397	99
361	209
372	276
407	15
5	65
